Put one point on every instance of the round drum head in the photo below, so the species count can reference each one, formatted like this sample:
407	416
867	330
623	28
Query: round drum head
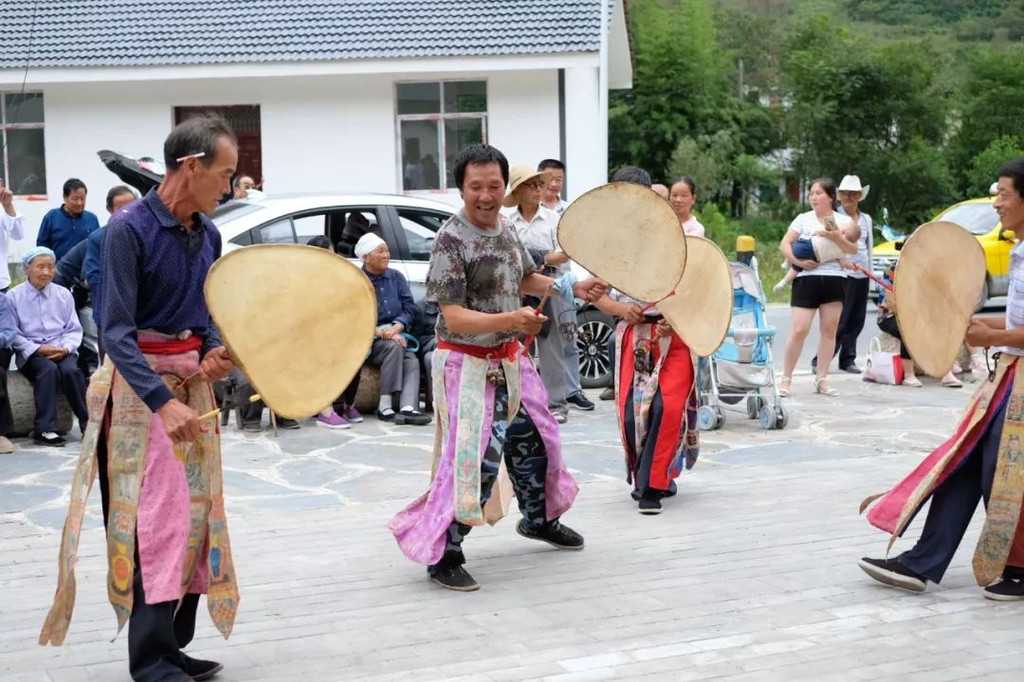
628	236
934	299
298	349
701	309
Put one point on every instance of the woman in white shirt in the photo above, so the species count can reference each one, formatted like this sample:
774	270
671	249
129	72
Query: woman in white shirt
683	195
820	287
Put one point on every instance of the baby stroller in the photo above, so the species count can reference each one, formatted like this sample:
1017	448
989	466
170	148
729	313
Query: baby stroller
742	367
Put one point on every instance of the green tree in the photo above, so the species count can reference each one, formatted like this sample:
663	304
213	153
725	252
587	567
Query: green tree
991	106
679	86
984	166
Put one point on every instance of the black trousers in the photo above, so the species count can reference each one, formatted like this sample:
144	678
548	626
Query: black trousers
6	417
851	322
156	632
49	377
953	505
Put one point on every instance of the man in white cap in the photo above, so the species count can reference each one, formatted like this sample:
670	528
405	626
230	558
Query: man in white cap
537	227
396	308
855	303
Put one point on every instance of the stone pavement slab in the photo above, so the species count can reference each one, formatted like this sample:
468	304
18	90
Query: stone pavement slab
749	574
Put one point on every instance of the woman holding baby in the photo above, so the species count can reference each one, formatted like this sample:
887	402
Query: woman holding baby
815	245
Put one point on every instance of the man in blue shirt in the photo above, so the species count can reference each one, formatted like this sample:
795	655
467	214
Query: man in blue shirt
162	487
118	197
64	227
396	309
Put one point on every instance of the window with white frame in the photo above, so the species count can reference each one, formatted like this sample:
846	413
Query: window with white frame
21	135
436	120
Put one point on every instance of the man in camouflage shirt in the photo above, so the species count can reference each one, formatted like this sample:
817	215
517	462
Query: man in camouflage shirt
490	403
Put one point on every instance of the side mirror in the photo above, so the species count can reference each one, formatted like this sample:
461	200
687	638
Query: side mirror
1008	235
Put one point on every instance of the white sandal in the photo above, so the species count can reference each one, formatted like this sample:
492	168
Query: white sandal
821	386
785	391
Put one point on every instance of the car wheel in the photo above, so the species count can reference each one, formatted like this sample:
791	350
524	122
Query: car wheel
594	331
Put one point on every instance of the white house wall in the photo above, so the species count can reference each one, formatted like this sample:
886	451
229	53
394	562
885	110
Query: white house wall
319	133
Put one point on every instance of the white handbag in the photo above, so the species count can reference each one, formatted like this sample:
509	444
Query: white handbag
883	367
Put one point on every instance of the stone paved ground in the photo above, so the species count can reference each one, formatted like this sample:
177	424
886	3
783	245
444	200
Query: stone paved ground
749	574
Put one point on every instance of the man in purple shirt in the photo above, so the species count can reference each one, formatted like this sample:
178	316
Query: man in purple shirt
167	539
47	342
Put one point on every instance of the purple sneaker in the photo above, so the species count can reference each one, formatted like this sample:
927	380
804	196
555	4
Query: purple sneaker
351	414
334	421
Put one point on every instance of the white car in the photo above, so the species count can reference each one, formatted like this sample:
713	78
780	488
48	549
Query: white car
407	224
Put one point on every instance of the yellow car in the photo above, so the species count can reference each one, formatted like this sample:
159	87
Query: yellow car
979	217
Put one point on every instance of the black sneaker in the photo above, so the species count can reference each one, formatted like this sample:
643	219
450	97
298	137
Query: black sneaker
892	572
852	369
581	402
649	506
413	417
199	669
1007	589
607	394
455	578
286	423
252	427
561	415
554	533
53	441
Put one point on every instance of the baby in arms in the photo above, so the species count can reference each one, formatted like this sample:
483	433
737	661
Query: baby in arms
816	248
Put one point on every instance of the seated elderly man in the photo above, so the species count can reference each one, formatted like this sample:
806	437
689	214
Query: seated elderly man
46	344
396	308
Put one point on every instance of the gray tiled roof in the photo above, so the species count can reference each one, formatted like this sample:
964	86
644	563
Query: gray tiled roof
163	32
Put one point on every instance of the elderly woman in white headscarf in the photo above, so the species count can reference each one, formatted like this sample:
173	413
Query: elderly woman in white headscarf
393	350
46	346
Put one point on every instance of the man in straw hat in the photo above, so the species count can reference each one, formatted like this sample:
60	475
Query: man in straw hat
655	395
856	284
490	403
983	460
537	227
160	469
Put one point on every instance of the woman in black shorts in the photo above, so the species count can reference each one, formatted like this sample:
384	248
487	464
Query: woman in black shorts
820	287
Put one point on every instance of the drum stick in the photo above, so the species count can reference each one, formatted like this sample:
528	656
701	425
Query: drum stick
537	311
872	277
214	413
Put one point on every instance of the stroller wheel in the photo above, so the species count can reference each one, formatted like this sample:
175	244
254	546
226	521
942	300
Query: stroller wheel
781	417
773	417
755	403
707	418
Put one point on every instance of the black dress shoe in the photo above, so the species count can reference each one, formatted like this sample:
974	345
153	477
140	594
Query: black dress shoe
412	417
455	578
286	423
199	669
54	441
580	401
649	505
553	533
852	369
1007	589
892	572
388	416
252	427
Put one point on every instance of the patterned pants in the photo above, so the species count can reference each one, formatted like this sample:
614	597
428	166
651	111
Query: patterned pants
527	463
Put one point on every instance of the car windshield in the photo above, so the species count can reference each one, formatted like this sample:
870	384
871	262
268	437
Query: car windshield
977	219
234	209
